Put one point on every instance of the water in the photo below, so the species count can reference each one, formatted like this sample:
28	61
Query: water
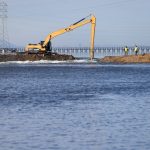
74	107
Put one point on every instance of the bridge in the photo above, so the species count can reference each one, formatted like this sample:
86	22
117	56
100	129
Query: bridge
84	51
99	51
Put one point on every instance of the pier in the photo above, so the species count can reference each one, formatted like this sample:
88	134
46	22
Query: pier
79	52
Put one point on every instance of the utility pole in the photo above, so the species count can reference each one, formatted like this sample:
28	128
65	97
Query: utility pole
4	40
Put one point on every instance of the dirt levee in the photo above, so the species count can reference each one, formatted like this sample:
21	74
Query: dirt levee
34	57
145	58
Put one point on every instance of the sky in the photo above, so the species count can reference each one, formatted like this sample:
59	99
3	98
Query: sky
118	22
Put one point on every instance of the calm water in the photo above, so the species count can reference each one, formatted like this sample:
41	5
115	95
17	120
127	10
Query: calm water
74	107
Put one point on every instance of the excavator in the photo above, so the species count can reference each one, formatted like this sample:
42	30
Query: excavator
46	46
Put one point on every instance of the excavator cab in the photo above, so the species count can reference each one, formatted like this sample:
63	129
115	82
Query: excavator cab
48	47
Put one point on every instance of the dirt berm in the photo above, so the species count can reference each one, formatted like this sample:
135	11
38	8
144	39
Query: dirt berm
34	57
145	58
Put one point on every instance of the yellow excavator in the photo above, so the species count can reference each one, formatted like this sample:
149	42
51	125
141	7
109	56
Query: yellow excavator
45	46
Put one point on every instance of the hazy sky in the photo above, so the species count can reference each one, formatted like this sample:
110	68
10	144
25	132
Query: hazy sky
119	22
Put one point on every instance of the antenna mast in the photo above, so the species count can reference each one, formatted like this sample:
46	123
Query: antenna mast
4	40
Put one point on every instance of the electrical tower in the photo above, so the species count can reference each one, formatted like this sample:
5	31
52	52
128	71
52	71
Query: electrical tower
4	40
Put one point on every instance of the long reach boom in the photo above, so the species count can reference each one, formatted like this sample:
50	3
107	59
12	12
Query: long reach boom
45	45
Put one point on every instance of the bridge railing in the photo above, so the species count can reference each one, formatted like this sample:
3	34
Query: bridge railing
99	51
84	51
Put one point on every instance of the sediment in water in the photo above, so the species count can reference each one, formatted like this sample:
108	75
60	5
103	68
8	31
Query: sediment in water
144	58
34	57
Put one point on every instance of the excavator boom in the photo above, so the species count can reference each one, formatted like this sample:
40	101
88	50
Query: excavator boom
82	22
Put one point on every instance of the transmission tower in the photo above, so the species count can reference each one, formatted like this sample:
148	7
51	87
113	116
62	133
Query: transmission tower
4	40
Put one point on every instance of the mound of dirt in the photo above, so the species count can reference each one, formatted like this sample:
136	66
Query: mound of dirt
34	57
145	58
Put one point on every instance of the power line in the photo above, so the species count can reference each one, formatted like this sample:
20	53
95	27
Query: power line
105	4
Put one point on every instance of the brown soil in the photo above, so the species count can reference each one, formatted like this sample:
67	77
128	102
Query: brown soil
34	57
145	58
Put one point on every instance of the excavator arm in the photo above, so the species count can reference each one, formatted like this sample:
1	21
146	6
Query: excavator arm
82	22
